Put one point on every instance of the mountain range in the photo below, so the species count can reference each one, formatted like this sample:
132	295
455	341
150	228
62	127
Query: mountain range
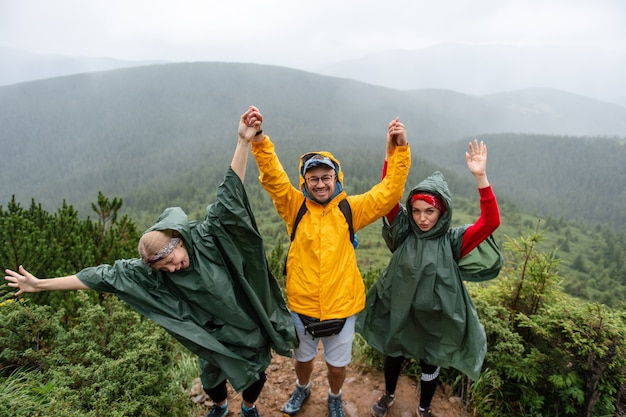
18	66
488	69
171	127
469	69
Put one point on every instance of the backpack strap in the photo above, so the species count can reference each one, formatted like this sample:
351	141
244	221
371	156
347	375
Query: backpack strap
344	206
299	216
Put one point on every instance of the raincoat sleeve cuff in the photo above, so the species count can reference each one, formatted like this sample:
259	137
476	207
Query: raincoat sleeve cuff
266	142
94	278
231	175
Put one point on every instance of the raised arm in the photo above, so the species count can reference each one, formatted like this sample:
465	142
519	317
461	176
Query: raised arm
396	136
489	219
476	159
27	282
249	131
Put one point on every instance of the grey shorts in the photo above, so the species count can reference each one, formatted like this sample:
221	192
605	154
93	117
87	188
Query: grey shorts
337	348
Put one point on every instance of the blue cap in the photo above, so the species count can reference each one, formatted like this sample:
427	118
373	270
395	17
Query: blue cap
317	160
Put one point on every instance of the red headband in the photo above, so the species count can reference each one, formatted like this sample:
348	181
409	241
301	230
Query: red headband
430	199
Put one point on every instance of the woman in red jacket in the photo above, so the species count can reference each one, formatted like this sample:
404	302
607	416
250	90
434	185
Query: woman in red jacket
419	307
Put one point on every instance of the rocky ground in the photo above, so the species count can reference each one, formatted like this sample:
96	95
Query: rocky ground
361	388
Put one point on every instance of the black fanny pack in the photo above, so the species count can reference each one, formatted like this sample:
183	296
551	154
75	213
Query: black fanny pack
317	328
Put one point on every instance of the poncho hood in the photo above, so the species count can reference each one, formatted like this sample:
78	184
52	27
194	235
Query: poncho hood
173	218
435	185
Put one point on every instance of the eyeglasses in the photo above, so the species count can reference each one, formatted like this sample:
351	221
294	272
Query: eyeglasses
326	179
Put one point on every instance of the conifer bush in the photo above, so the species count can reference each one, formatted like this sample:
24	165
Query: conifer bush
79	353
549	354
112	363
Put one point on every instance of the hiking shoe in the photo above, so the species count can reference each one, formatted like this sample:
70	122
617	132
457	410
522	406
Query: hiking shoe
252	412
335	406
217	411
298	397
425	413
380	407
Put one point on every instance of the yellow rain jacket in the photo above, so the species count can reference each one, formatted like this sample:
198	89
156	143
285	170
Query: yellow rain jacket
323	279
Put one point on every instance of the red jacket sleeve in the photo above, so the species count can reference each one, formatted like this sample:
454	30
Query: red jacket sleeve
487	222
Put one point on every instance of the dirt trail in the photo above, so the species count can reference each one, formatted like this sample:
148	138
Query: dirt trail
360	390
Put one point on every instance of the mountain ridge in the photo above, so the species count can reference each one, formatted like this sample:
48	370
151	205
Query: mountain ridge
17	66
471	69
488	69
168	127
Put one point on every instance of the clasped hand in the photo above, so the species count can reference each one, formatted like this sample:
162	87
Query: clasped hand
249	124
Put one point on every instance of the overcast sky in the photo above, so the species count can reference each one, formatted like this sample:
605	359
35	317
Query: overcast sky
298	33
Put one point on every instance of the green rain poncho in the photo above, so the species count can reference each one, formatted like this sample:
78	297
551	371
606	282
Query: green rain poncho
419	307
226	307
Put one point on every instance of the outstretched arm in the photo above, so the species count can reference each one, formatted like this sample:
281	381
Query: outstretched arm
27	282
476	159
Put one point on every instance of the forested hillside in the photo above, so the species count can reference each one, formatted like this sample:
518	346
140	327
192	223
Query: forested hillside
162	135
130	132
576	178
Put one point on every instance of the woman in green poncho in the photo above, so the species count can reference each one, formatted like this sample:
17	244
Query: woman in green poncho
419	307
207	283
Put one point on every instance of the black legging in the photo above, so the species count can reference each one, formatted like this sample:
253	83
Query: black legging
428	383
249	395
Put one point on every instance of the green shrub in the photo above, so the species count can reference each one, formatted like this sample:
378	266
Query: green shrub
549	354
113	362
28	332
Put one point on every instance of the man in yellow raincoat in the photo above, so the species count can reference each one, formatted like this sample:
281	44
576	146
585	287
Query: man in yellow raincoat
323	280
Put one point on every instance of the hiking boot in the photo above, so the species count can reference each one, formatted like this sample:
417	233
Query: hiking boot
252	412
217	411
425	413
380	407
298	397
335	406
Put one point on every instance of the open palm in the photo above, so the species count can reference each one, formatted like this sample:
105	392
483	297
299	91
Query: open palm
476	157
